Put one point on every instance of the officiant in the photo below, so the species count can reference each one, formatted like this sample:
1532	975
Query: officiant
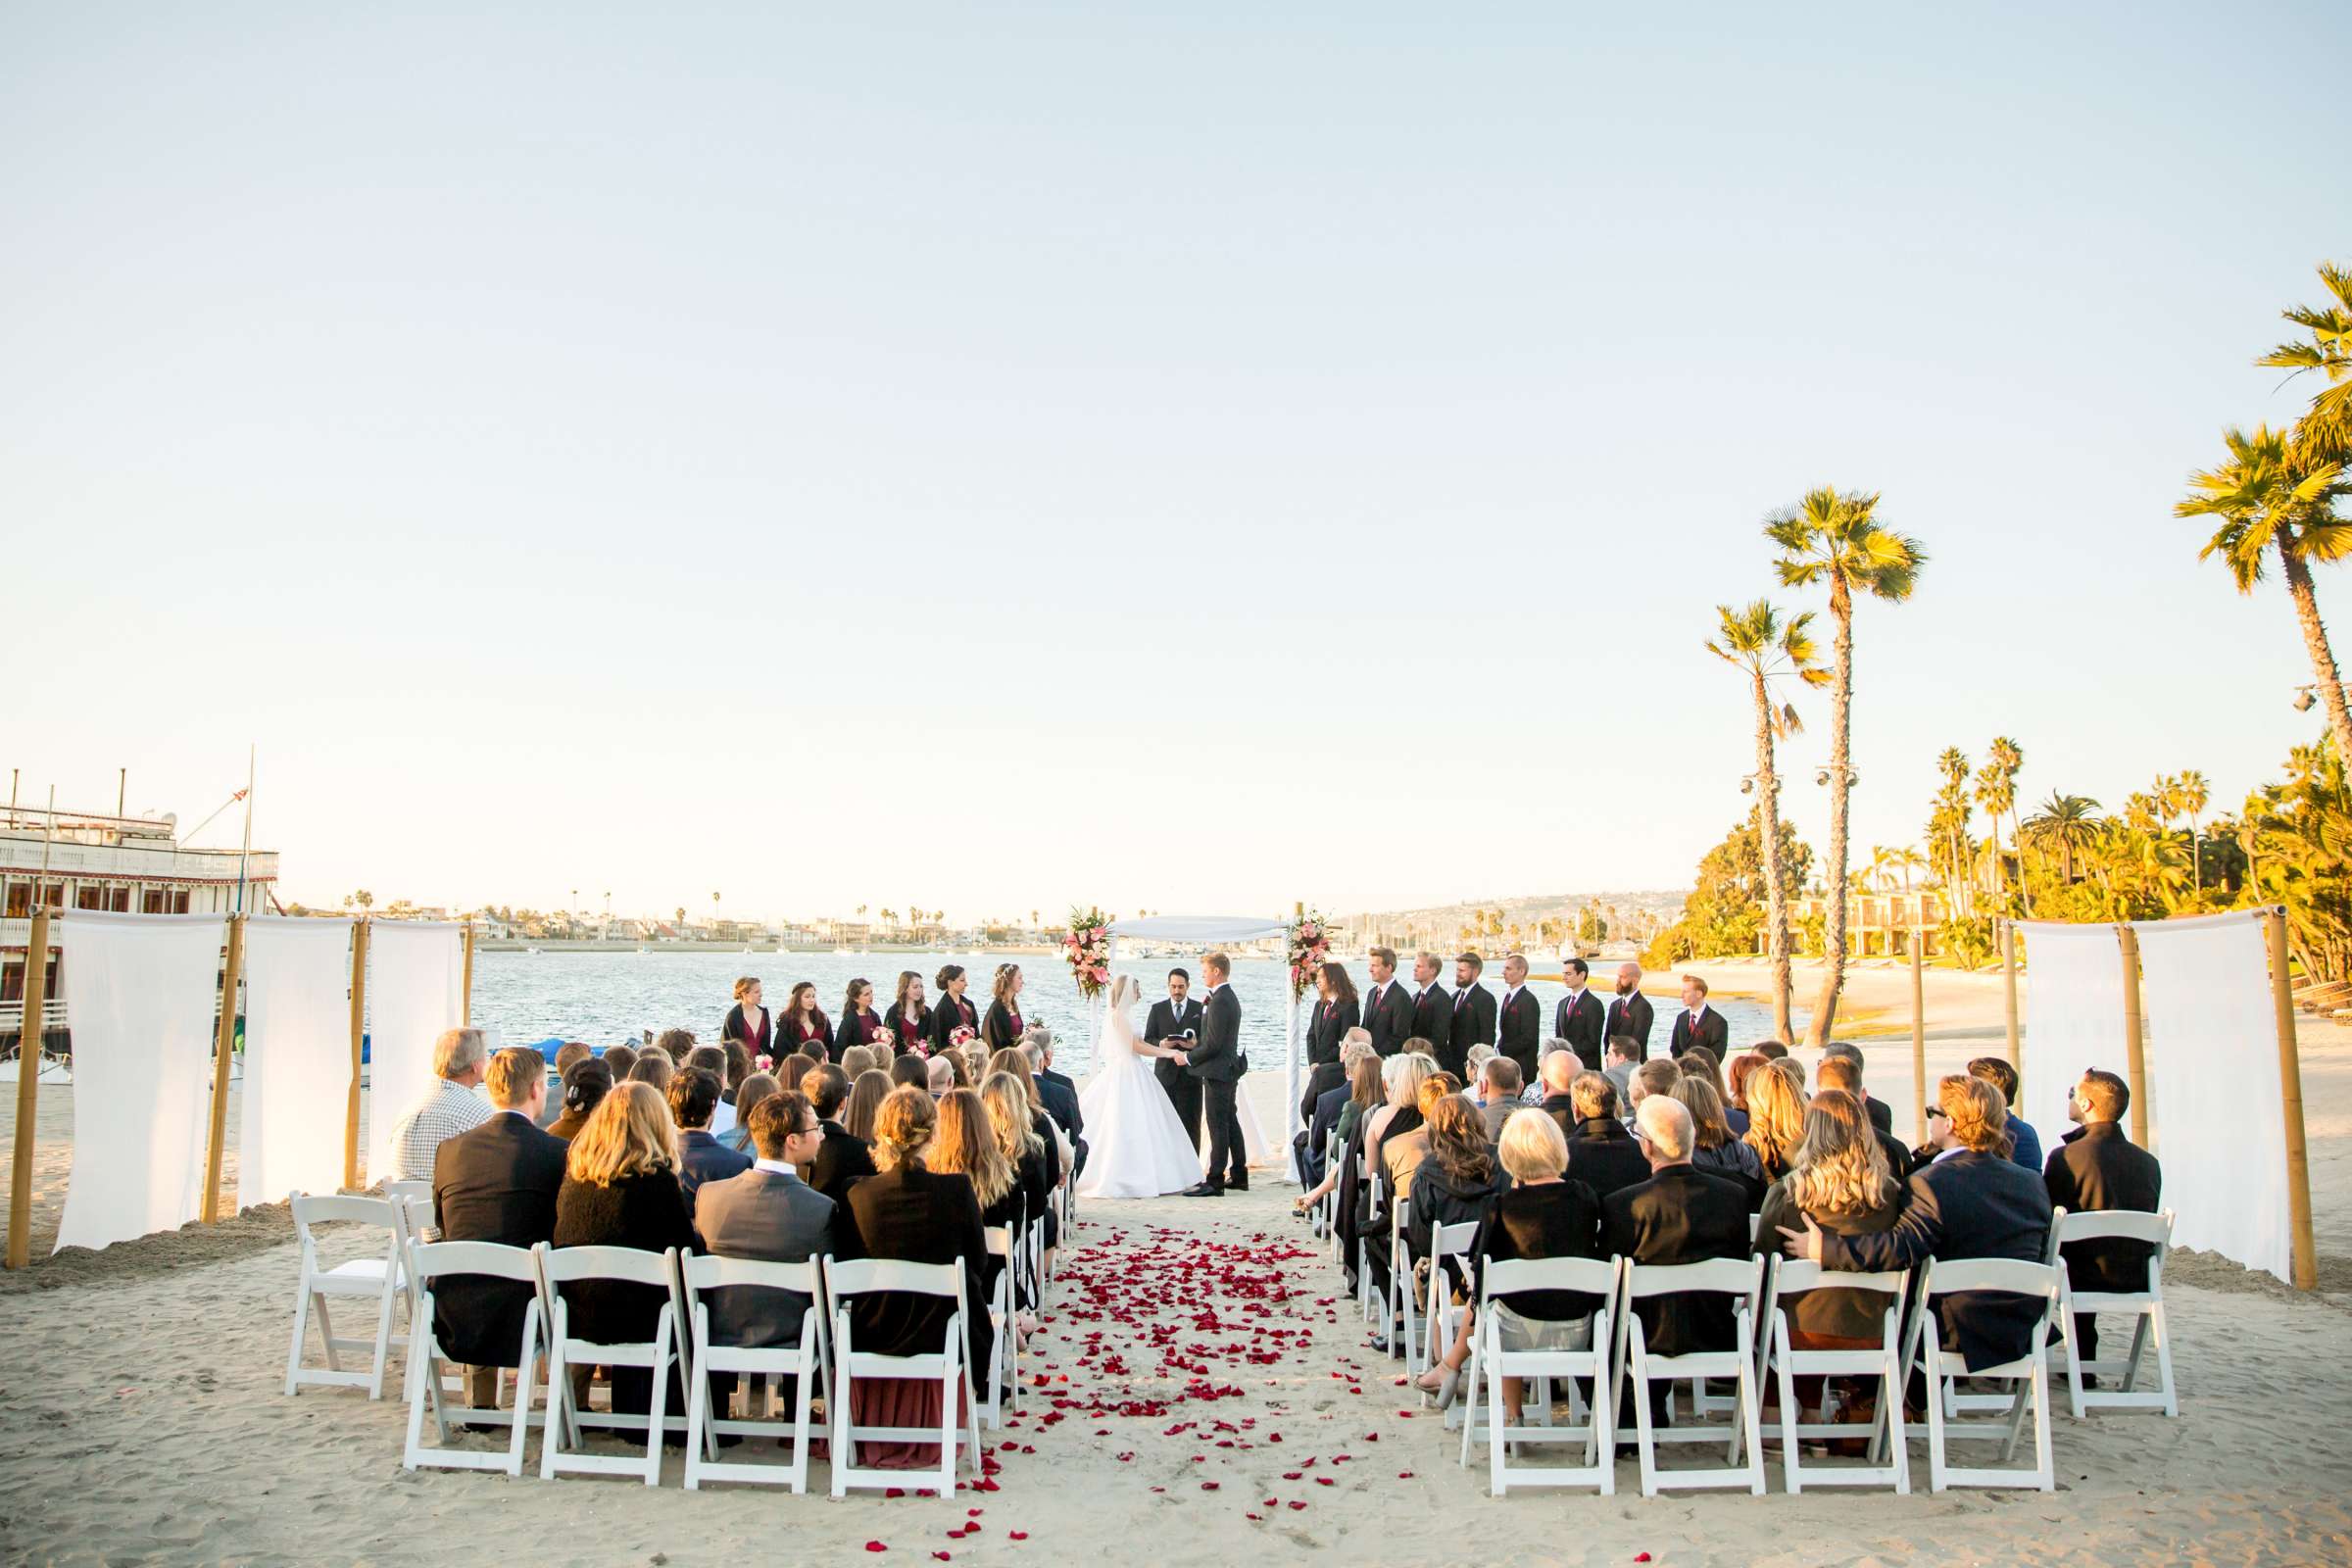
1177	1018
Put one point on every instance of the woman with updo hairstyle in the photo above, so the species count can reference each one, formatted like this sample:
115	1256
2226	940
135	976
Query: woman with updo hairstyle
1004	1024
860	1024
906	1021
912	1213
585	1087
804	1020
747	1021
954	1010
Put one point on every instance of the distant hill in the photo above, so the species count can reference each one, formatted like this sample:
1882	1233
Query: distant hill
1529	920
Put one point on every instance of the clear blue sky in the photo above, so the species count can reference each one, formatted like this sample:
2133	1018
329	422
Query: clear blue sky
981	457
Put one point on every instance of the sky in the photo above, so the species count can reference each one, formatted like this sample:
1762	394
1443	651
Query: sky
1188	458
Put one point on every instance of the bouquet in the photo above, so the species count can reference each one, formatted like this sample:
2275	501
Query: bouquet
1309	945
1087	950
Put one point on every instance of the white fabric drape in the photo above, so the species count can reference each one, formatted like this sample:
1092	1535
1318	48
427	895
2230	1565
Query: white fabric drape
2212	1051
416	990
143	993
2074	1019
297	1057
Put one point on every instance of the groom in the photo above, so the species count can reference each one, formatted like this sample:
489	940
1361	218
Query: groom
1216	1062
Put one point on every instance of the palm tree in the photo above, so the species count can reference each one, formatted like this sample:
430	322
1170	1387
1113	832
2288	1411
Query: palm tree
1765	649
2269	497
2190	795
2012	756
364	899
1833	538
1996	794
2325	432
2065	823
1906	860
1953	765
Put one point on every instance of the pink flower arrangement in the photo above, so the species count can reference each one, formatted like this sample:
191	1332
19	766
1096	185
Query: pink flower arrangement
1310	947
1086	949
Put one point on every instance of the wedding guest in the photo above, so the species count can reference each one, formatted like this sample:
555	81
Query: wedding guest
954	1011
1770	1049
702	1157
674	1043
585	1087
907	1213
572	1054
793	1070
1545	1214
739	1067
1401	1077
1324	1077
915	1072
747	1021
1402	1149
1388	1008
1624	1055
655	1068
1699	1062
906	1022
1601	1152
966	1145
494	1182
755	1088
1335	1012
1776	1119
1498	1088
1656	1076
713	1061
1474	1061
1336	1112
1845	1073
1971	1201
1453	1184
2025	1143
621	1188
865	1098
622	1060
1432	1003
1556	1078
448	1108
1697	1024
1679	1215
1743	1067
1579	1018
1631	1013
843	1158
2096	1168
947	1074
1056	1093
1014	1064
1882	1115
1004	1025
766	1214
1519	1019
803	1022
1713	1149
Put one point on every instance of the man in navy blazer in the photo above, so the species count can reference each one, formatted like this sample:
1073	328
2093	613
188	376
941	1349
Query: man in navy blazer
494	1182
693	1097
1060	1096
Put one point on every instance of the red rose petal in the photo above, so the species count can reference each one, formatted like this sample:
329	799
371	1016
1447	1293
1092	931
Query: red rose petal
1018	1535
893	1492
1296	1505
1209	1486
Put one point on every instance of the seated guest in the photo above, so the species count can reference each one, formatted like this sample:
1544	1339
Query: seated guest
769	1215
1402	1149
1475	1059
675	1043
1743	1067
1771	1049
945	1074
449	1108
1457	1177
909	1213
1541	1214
1971	1201
867	1093
857	1060
494	1182
1401	1077
2025	1143
739	1067
1713	1149
1842	1072
585	1086
621	1059
701	1157
1601	1152
1013	1061
573	1053
1337	1111
1325	1076
1498	1088
842	1156
1056	1093
1699	1062
1656	1076
621	1188
2097	1167
1028	1149
1623	1055
1556	1074
756	1087
1776	1117
655	1071
1679	1215
793	1070
1882	1115
966	1145
713	1060
1842	1182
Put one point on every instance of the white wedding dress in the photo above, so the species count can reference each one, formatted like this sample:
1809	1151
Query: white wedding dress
1136	1146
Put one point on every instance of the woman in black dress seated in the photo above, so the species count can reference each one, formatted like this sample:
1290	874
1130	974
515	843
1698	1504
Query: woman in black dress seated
966	1145
621	1188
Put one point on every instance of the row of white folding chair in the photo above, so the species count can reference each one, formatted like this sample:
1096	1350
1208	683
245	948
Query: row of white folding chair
1442	1315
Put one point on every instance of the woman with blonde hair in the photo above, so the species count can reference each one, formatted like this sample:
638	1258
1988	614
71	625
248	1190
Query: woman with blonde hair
1004	1024
1776	1119
747	1020
1026	1148
867	1093
1714	1149
966	1143
1839	1180
621	1188
1013	1063
1364	1096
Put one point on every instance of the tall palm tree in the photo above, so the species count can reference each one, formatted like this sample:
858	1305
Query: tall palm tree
2190	796
1996	794
2065	823
1835	538
2325	432
2270	497
1765	649
1953	765
2012	756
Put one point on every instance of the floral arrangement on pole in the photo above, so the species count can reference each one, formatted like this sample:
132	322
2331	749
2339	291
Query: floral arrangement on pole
1087	950
1310	949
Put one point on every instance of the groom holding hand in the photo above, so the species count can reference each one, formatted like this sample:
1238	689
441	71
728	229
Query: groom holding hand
1216	1064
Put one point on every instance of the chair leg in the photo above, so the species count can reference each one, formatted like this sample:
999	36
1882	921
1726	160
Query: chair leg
522	1396
1937	1468
2158	1332
655	1421
415	1444
841	1446
2044	1467
562	1423
302	1322
383	1343
1645	1438
1752	1422
2139	1346
702	1442
327	1329
1790	1476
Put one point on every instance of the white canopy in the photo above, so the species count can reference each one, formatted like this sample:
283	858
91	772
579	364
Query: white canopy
1198	928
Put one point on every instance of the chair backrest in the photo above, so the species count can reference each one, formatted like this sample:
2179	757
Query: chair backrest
2117	1224
310	1211
1794	1274
860	1276
1592	1276
398	1190
1726	1276
717	1273
1453	1238
2010	1275
1000	1241
496	1259
632	1265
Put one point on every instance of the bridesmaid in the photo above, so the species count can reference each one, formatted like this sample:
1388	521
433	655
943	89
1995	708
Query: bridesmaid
909	1020
804	1020
1336	1014
748	1021
860	1025
1004	1025
953	1011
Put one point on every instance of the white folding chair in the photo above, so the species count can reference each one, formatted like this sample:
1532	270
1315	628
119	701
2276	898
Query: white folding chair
1330	1219
844	1282
1004	1367
2029	1374
382	1280
1398	1316
1789	1277
1741	1279
1591	1276
427	1262
807	1362
1366	1290
2146	1306
658	1355
1444	1242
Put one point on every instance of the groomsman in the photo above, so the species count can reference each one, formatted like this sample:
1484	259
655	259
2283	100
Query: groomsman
1520	1019
1177	1016
1629	1014
1387	1005
1473	1017
1698	1024
1433	1007
1580	1019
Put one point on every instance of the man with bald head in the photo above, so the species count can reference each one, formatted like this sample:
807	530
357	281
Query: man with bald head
1631	1013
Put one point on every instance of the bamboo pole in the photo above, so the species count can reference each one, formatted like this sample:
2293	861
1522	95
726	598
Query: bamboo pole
466	995
28	1088
224	1042
2290	1104
358	1038
2017	1059
1919	1045
2134	1032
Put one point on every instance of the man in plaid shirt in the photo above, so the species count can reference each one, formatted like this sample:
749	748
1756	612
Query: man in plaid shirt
449	1108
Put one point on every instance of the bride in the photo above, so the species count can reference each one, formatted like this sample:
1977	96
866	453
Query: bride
1137	1147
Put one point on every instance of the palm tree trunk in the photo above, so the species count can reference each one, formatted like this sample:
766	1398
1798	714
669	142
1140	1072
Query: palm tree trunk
2322	656
1776	901
1842	699
1999	872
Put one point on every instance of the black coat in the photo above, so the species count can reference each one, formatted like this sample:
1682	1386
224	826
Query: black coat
1472	1024
1606	1157
1166	1021
1556	1219
1328	1025
1712	1032
647	1213
1969	1206
1388	1016
1679	1215
1060	1098
2097	1167
903	1033
1217	1057
951	1014
757	1037
842	1160
1519	1032
1629	1016
1433	1018
792	1034
1579	1022
861	1030
911	1214
1438	1199
494	1182
1002	1027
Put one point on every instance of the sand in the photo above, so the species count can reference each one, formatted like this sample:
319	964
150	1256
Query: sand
141	1420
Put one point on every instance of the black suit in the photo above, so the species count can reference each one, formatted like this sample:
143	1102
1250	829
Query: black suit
1168	1021
1217	1062
2097	1167
1473	1024
1711	1032
1579	1020
1679	1215
1433	1017
1601	1153
496	1182
842	1160
1062	1104
1389	1016
1965	1206
1519	1033
1328	1027
1319	1124
1631	1016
